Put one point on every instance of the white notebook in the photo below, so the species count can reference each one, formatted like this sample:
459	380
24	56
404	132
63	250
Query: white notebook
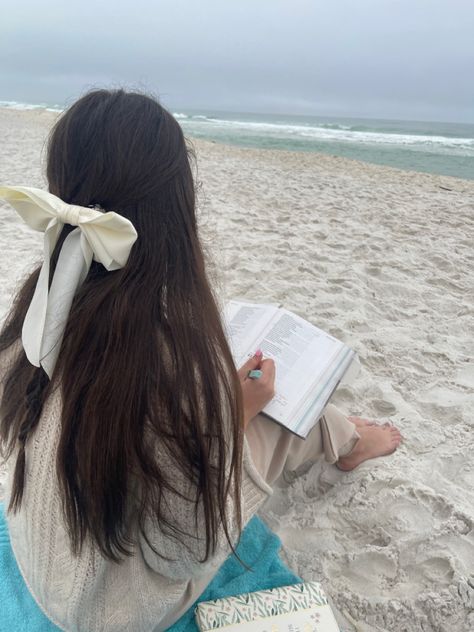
300	607
310	363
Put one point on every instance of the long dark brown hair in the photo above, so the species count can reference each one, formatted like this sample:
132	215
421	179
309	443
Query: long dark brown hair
144	367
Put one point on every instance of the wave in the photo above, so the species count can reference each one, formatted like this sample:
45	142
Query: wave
323	132
334	132
18	105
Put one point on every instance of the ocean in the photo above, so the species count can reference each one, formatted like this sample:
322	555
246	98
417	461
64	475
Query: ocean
432	147
442	148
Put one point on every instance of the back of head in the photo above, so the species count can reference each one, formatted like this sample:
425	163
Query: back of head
117	149
144	364
125	152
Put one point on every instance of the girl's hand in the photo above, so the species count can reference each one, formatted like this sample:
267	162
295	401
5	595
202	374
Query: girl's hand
256	393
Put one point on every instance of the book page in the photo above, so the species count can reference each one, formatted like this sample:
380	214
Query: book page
312	406
309	362
302	354
244	324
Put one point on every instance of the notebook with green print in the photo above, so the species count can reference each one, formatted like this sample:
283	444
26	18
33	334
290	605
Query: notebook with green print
303	607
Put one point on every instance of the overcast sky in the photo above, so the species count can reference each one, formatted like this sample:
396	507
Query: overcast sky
408	59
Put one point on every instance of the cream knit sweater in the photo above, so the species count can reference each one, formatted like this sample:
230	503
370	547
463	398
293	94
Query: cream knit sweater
89	593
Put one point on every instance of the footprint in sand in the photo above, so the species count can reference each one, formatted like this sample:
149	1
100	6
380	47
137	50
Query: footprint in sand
345	394
368	569
383	407
456	468
421	574
408	516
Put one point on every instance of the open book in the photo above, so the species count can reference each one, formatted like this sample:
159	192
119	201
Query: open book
310	363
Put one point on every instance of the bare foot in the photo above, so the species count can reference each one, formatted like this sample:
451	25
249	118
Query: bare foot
360	421
374	441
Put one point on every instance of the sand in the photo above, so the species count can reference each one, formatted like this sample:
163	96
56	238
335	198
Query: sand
384	260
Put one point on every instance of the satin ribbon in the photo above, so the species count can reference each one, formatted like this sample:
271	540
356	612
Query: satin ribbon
105	236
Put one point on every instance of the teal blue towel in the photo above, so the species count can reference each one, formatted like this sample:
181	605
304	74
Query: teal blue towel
258	548
18	610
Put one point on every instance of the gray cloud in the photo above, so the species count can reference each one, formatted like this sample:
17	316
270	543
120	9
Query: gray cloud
390	58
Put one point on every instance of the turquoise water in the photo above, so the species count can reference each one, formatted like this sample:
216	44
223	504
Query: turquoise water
442	148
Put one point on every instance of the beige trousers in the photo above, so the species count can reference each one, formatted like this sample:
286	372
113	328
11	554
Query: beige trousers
276	451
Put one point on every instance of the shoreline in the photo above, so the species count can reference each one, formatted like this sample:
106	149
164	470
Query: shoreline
236	146
337	161
49	112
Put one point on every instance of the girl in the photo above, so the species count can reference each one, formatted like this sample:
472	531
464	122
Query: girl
135	448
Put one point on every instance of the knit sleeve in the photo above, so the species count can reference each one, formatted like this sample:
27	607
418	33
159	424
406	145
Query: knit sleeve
179	556
177	551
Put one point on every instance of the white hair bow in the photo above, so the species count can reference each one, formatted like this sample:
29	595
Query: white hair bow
106	237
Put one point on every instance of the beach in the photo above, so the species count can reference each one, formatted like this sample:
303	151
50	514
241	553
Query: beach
383	259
